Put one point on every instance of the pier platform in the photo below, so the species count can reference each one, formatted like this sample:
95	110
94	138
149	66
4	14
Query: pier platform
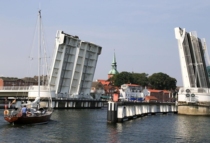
122	111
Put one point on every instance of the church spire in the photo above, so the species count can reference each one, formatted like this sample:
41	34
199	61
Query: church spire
113	71
114	59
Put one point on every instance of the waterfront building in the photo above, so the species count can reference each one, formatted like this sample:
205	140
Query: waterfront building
97	90
150	99
73	65
131	91
109	88
10	81
161	95
14	81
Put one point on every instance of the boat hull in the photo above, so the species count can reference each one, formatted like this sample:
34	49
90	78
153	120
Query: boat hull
11	119
29	120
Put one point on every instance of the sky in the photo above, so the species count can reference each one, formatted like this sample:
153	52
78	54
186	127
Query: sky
140	32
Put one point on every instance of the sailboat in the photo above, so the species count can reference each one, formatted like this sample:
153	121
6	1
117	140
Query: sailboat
35	114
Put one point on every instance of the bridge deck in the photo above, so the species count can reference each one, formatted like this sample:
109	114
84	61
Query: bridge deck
14	91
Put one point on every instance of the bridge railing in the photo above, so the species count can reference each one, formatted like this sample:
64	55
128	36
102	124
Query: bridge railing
14	87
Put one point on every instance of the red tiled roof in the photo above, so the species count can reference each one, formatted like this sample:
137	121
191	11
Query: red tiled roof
150	98
153	90
166	91
104	82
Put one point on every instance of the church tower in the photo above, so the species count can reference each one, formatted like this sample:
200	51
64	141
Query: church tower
113	71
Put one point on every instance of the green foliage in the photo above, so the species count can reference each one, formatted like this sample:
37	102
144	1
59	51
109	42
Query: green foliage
162	81
122	78
140	79
157	80
126	78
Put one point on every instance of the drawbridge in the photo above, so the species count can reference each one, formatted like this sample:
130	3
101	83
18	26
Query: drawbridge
72	69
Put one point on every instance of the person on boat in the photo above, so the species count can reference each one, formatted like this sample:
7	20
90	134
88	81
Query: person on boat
24	110
14	112
29	112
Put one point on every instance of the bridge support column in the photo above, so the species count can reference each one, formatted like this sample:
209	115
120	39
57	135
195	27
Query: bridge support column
138	110
132	111
165	109
174	109
112	112
121	113
153	109
145	109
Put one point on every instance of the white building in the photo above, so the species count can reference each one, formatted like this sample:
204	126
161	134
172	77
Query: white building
131	92
73	65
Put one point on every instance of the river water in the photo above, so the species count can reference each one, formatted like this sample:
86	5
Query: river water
90	126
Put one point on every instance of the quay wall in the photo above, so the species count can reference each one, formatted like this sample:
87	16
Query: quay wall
122	111
195	110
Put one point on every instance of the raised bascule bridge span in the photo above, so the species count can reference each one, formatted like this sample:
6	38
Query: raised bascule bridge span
72	68
71	74
194	96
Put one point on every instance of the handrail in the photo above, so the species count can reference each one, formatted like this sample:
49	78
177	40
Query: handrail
20	88
14	87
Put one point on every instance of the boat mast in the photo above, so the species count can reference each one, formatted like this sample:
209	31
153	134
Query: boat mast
39	52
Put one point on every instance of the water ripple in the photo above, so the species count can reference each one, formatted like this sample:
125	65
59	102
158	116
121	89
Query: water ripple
90	126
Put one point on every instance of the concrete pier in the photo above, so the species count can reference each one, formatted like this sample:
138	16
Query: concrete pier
122	111
112	112
60	103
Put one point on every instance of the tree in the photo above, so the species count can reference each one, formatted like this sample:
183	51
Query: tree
170	83
122	78
162	81
140	79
